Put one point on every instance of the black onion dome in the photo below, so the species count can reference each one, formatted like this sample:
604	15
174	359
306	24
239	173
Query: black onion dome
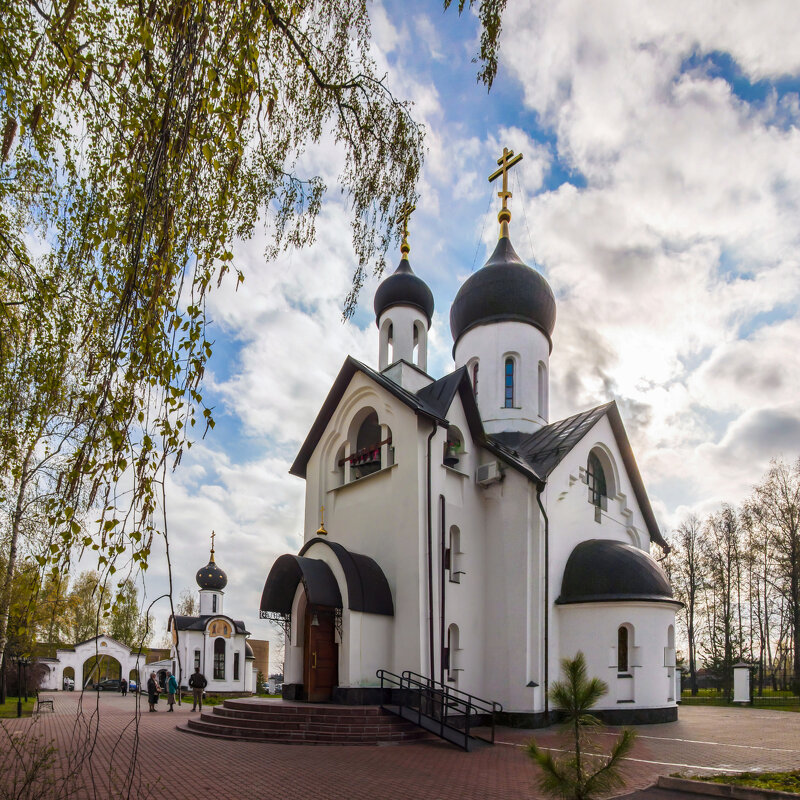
600	570
404	288
211	577
506	288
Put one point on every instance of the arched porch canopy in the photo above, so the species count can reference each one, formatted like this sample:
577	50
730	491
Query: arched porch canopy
318	580
367	587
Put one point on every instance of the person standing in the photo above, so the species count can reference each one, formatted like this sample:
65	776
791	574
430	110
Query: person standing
198	682
172	689
153	690
123	687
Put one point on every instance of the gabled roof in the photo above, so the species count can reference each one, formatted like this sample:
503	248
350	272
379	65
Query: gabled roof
545	449
183	623
433	402
535	455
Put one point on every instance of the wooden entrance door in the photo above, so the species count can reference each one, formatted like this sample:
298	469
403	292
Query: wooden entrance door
320	654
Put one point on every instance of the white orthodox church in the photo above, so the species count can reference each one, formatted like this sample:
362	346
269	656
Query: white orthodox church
466	536
213	642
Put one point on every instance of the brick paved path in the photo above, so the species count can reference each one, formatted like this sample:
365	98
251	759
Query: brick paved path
178	766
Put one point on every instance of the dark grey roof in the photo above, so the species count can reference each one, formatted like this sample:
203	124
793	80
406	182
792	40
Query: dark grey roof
543	450
601	570
183	623
287	572
211	576
367	587
404	288
505	288
248	651
429	402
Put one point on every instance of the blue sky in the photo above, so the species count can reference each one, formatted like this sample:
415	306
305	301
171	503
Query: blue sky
659	194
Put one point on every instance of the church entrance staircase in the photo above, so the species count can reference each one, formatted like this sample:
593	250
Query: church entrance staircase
462	719
284	722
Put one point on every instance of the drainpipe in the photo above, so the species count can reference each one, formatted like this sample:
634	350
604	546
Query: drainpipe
432	672
539	489
442	584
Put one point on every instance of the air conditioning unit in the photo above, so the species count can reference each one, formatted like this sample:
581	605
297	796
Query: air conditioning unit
488	474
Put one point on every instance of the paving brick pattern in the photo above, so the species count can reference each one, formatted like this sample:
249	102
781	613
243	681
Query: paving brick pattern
176	766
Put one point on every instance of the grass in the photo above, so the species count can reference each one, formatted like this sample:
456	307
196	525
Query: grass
9	708
776	781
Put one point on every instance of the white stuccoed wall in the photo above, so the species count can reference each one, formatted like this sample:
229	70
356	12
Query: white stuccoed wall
490	344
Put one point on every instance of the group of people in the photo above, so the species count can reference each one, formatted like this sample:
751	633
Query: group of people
197	682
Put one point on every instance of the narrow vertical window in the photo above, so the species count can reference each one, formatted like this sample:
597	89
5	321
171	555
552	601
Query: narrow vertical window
622	649
213	604
219	659
475	378
596	480
196	660
509	383
236	666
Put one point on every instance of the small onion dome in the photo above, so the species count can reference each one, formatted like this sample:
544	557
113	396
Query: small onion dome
404	288
211	577
601	570
504	289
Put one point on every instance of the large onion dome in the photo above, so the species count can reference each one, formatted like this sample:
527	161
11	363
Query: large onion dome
602	570
404	288
211	576
504	289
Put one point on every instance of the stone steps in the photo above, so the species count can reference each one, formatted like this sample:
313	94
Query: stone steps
303	724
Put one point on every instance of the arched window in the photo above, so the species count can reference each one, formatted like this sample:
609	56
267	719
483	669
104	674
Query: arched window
543	410
454	555
596	479
196	660
622	649
509	383
453	447
475	378
367	456
453	654
219	659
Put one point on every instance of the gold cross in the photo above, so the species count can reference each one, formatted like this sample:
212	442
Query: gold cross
402	216
505	163
212	544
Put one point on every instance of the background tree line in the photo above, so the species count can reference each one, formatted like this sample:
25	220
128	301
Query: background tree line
737	571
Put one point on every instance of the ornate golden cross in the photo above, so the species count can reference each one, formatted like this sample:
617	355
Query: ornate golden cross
402	216
212	544
505	163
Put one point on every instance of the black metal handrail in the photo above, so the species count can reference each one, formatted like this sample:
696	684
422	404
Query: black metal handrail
437	701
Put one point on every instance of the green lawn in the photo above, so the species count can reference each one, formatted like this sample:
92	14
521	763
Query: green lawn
777	781
9	709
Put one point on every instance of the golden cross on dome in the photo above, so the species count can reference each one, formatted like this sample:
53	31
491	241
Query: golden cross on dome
212	544
402	216
505	163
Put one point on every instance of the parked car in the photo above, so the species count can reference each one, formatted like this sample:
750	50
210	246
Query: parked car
108	685
69	685
132	686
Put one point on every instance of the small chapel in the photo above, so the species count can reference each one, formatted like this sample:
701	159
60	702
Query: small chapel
454	530
213	642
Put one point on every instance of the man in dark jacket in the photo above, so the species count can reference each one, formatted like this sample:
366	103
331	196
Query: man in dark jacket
197	682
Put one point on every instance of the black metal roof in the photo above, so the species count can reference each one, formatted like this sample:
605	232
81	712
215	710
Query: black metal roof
184	623
404	288
535	455
544	449
602	570
367	587
505	288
